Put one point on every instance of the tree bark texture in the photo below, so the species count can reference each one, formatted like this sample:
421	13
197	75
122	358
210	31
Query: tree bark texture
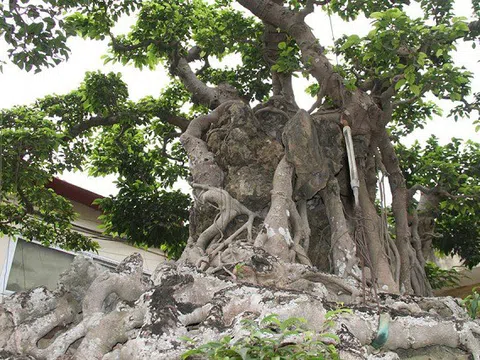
90	316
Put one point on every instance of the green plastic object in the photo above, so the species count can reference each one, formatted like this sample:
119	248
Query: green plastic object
382	332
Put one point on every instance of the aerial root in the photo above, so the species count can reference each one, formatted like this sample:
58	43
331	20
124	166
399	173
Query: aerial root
272	110
301	230
282	217
229	208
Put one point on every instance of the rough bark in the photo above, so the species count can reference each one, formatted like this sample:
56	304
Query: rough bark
426	212
181	301
378	261
79	316
343	247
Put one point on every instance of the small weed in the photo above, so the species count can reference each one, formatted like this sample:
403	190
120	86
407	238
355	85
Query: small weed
273	339
470	303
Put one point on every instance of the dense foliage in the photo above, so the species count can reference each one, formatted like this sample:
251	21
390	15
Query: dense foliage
450	175
404	62
440	278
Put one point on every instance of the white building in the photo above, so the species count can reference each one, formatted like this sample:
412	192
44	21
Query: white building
25	265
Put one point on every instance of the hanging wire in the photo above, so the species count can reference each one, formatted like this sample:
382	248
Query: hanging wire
329	12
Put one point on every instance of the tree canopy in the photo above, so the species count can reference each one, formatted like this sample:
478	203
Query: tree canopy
386	83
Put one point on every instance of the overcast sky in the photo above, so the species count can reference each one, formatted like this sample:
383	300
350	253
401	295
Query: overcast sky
18	87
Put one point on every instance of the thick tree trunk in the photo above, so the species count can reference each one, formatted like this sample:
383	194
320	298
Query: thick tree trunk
245	151
427	210
275	178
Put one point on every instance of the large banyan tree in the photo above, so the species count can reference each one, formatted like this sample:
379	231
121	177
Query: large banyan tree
273	184
289	205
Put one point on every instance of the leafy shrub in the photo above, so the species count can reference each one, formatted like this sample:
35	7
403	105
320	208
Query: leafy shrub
271	339
440	278
470	303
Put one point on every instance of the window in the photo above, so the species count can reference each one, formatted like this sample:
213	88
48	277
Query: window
34	265
29	264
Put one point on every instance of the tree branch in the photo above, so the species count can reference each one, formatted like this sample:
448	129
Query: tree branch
92	122
474	27
178	121
423	189
367	113
124	48
438	191
193	53
96	121
201	93
309	7
405	101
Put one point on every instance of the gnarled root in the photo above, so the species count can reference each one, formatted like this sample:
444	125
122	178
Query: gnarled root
208	308
110	330
78	309
229	208
342	245
187	303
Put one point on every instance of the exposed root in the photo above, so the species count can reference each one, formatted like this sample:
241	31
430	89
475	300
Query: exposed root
272	110
275	236
100	331
224	244
375	248
189	303
418	278
332	281
301	230
390	247
342	245
27	334
110	330
229	209
395	259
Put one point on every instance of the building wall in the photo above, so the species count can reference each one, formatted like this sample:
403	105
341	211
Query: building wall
113	249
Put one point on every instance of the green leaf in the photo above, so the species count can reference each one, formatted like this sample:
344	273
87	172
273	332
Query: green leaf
368	56
377	15
455	96
351	40
400	83
273	318
416	89
421	58
461	26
